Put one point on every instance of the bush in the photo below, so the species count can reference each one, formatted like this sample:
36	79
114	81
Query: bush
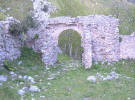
17	28
7	65
29	22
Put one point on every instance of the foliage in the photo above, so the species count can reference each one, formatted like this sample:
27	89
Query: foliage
19	28
28	56
36	36
70	43
15	29
7	65
28	22
19	8
2	16
71	82
126	13
63	58
70	8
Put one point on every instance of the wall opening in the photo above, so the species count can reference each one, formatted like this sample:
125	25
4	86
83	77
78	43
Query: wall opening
70	44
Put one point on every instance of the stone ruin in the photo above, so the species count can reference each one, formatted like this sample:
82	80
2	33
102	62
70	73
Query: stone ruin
9	45
127	46
42	9
99	38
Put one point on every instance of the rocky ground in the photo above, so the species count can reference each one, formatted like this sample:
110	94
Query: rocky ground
68	80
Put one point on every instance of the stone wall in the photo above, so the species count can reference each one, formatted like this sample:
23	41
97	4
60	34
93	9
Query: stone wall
100	38
42	9
9	45
105	39
127	46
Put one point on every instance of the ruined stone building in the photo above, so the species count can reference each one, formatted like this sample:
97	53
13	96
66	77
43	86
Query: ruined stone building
99	38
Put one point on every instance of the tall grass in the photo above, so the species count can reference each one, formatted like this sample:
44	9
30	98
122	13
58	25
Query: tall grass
18	8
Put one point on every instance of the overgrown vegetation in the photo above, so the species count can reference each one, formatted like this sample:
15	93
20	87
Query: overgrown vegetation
17	8
70	43
7	66
18	28
70	80
2	16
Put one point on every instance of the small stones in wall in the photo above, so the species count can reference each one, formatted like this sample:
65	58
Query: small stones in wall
99	43
9	45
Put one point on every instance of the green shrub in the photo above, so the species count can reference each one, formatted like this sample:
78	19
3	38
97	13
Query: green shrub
17	28
29	22
36	36
2	16
7	65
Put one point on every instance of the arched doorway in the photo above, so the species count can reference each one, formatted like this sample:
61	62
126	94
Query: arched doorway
50	45
69	43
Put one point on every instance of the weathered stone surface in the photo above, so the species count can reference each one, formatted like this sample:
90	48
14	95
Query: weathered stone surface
99	33
34	89
91	79
3	78
42	9
127	46
100	38
9	45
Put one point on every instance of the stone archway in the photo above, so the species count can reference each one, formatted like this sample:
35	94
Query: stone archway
49	56
99	33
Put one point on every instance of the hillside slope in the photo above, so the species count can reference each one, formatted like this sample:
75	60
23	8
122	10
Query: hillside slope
16	8
118	8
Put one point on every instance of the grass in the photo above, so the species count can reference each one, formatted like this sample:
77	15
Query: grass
70	79
2	16
18	8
